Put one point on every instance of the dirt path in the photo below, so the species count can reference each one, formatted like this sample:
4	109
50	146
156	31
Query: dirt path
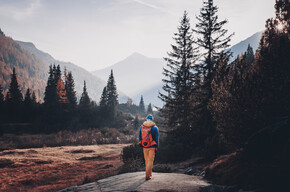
161	182
55	168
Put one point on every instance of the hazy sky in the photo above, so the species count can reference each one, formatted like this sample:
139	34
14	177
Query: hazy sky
98	33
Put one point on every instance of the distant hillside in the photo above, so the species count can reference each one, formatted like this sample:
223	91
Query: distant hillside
95	85
139	75
31	71
241	47
135	74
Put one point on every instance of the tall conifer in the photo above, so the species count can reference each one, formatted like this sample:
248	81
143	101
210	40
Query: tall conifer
112	97
141	105
179	78
70	89
14	96
85	99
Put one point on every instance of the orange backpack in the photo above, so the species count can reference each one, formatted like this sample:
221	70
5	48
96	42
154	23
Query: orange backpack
146	135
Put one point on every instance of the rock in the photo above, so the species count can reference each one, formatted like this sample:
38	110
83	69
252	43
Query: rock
170	182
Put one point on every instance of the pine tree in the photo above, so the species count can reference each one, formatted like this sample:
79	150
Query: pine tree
212	40
141	105
14	95
272	67
104	99
150	110
70	89
112	97
1	95
28	98
179	79
50	97
33	97
85	99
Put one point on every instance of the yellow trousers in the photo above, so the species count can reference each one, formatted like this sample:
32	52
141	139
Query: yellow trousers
149	154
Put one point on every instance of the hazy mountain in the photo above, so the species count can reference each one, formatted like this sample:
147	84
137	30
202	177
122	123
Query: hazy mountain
31	71
242	46
139	75
135	74
95	85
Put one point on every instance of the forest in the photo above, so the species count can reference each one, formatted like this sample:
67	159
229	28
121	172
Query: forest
235	115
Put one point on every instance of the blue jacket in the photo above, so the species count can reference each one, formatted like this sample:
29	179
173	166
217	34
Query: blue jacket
154	132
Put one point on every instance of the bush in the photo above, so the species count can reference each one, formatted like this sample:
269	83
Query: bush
132	152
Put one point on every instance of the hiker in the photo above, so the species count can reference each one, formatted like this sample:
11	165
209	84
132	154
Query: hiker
149	140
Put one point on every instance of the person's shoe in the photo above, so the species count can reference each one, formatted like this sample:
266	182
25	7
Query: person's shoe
148	178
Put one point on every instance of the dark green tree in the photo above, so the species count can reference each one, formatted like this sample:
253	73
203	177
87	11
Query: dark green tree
28	98
104	99
85	99
14	96
1	95
33	97
50	96
142	105
70	90
212	40
150	110
112	97
179	79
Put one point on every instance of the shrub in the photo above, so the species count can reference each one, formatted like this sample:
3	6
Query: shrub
161	168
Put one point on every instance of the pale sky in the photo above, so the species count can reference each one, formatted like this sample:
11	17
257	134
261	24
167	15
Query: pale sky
98	33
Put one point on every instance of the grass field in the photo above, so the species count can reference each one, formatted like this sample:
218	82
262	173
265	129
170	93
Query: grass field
54	168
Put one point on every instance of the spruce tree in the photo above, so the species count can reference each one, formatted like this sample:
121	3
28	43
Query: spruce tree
70	90
150	110
179	79
112	97
104	99
141	105
28	98
14	95
85	99
33	97
1	95
212	39
50	97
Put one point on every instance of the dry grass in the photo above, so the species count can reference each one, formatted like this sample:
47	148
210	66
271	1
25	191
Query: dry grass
54	168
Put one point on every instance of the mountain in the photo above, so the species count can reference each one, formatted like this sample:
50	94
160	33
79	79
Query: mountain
31	71
135	74
140	75
94	84
242	46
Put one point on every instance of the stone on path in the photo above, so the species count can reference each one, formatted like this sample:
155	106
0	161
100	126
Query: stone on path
135	182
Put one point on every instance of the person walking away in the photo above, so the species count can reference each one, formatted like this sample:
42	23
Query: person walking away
149	140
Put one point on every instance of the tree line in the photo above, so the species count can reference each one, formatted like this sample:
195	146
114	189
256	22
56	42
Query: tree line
219	105
60	109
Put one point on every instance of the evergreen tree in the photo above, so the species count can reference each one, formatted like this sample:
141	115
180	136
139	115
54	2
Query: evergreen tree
141	105
112	97
212	40
150	110
179	79
28	98
272	67
70	89
1	95
50	97
104	99
85	99
14	95
33	97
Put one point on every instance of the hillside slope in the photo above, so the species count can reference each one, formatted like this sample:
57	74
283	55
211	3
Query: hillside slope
31	71
95	85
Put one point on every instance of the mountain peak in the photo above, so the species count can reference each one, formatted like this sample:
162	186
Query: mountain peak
137	55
